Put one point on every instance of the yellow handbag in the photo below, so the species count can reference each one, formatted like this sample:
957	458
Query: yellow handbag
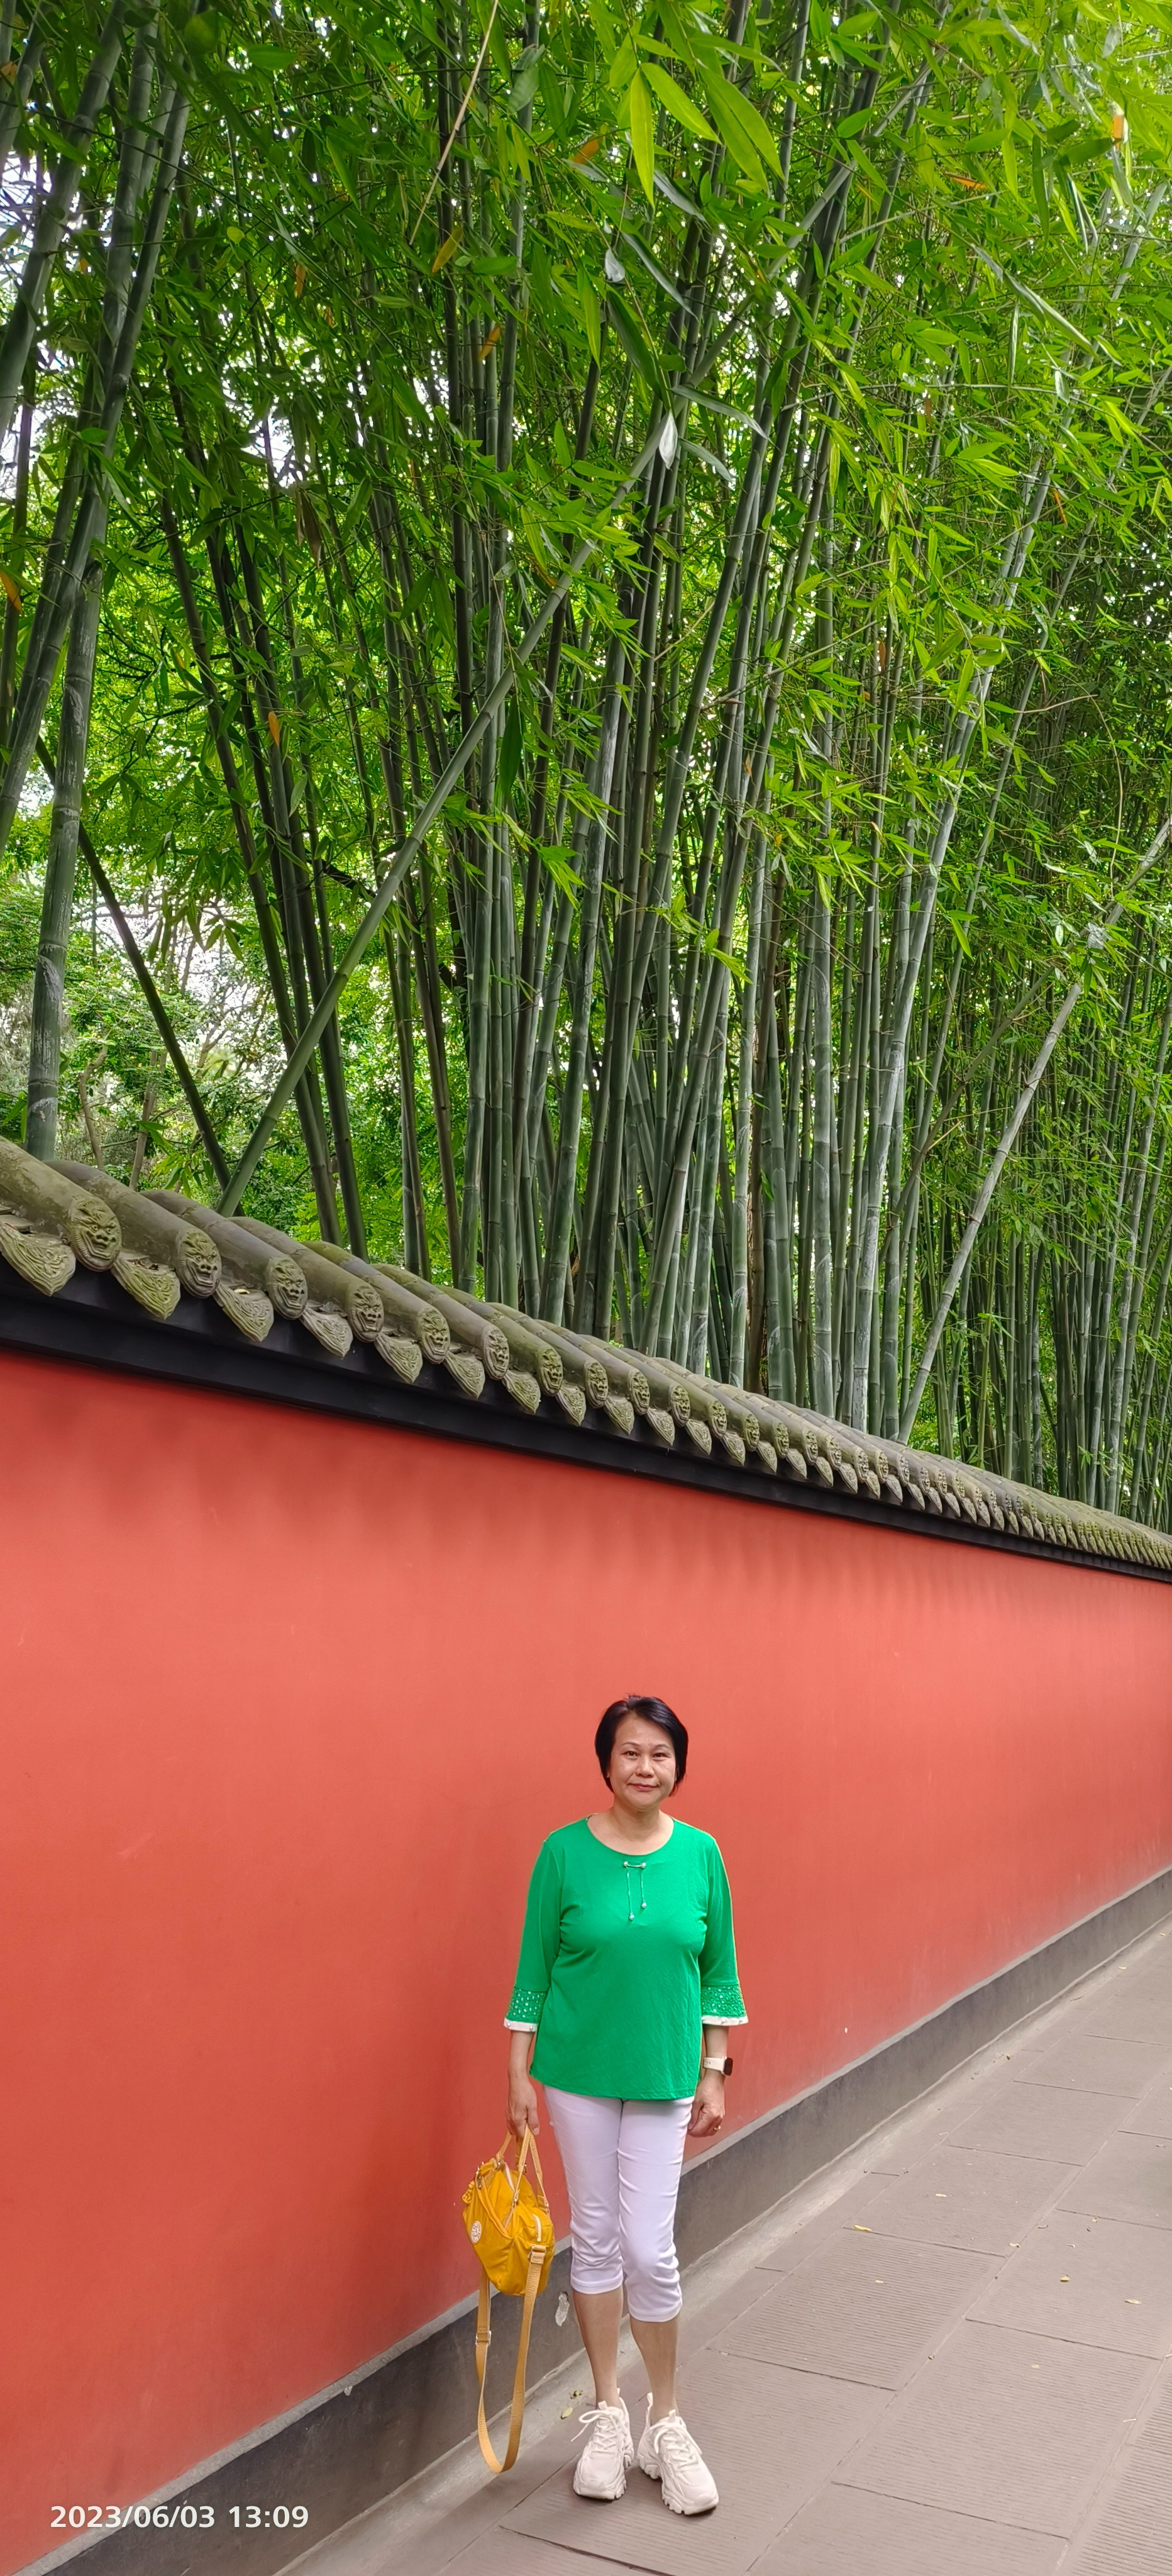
508	2222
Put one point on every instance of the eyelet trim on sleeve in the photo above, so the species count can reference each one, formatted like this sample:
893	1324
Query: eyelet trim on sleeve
524	2011
722	2004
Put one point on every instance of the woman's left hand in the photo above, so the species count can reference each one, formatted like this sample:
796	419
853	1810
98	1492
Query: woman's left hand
708	2107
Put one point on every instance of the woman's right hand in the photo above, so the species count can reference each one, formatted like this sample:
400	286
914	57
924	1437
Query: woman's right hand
522	2106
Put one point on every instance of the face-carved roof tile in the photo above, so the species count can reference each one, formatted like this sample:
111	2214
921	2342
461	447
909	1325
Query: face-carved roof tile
161	1251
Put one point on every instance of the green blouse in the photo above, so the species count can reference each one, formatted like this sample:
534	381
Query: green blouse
622	1961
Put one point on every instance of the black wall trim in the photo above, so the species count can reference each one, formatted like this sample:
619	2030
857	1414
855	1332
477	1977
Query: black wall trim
91	1321
346	2451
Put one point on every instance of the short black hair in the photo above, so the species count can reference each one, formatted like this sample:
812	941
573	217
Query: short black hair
657	1713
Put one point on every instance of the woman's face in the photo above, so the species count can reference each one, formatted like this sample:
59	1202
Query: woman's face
642	1763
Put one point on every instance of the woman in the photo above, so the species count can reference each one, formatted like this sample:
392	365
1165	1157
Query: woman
627	1954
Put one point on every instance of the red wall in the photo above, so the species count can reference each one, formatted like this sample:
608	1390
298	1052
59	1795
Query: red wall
290	1703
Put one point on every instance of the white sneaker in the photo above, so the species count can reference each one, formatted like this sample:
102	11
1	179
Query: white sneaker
667	2451
607	2455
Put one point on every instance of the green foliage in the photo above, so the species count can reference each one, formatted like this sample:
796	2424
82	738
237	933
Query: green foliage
837	344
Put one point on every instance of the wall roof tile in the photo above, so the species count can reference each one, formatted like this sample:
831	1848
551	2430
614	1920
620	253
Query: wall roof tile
161	1251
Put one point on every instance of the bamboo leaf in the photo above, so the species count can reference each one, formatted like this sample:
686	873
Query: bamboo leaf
642	115
591	318
509	763
741	126
1037	303
733	131
638	349
623	67
715	464
676	197
654	270
525	80
677	101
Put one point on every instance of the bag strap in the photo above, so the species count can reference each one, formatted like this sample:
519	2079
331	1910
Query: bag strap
483	2340
528	2148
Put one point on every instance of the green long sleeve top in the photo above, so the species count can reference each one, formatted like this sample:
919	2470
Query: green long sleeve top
622	1961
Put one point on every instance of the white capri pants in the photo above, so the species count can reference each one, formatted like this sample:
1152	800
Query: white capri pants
622	2166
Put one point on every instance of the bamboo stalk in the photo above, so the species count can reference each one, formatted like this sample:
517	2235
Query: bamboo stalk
55	210
1069	1002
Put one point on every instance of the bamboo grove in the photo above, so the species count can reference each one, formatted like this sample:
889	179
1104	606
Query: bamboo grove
585	672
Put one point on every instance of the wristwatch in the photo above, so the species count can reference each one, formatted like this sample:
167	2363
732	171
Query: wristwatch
718	2066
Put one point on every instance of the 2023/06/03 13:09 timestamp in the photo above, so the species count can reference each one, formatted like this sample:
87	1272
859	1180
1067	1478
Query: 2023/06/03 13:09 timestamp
181	2516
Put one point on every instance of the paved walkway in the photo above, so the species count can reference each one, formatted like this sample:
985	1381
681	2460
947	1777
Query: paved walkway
949	2357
